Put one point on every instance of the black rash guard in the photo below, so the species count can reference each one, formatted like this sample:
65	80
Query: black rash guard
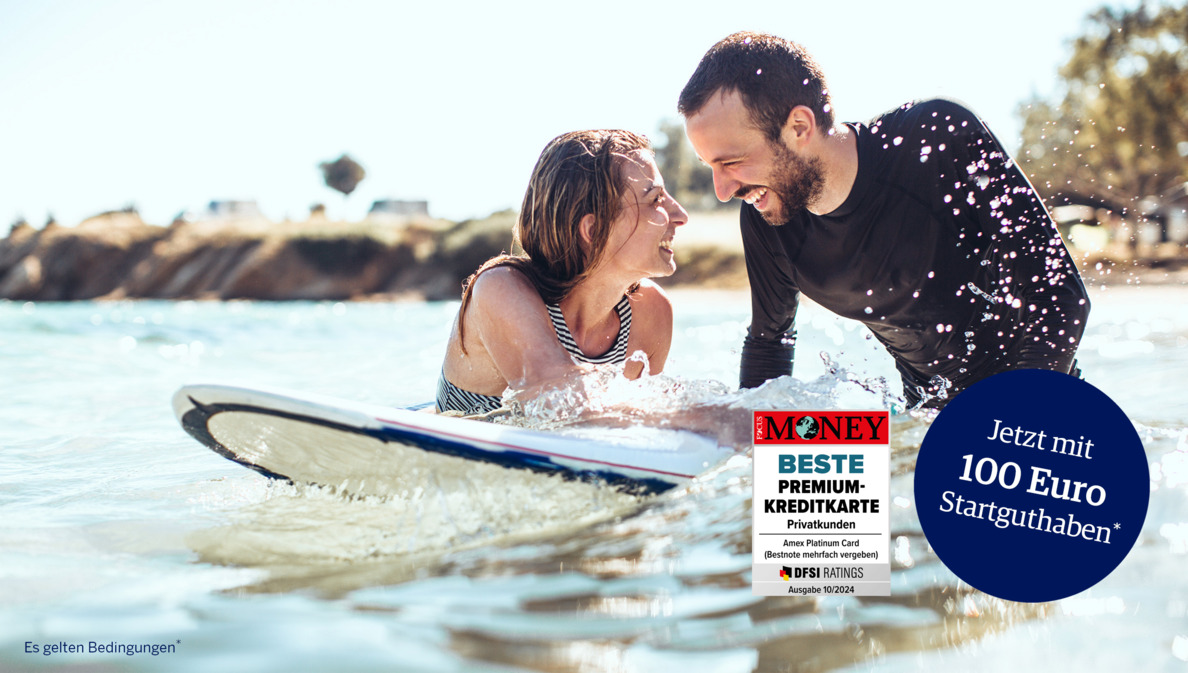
942	249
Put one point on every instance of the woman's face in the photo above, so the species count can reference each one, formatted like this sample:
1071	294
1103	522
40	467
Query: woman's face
641	237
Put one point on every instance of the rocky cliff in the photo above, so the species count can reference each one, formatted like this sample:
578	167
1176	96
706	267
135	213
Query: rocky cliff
117	256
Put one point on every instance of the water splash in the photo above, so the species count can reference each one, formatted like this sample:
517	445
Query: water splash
984	295
937	389
604	397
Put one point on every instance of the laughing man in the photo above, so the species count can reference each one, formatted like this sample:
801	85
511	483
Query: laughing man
915	223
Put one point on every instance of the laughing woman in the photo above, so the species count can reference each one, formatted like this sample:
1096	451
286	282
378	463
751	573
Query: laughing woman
595	225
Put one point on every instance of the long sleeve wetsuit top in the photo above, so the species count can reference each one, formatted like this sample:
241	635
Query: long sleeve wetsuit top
942	249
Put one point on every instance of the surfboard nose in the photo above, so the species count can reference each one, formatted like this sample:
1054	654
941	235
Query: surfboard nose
182	402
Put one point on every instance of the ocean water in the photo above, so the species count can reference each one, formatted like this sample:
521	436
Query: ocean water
119	529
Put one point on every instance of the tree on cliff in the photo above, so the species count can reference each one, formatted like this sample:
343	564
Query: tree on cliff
1118	131
342	174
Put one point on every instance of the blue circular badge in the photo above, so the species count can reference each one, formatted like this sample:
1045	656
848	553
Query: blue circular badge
1031	485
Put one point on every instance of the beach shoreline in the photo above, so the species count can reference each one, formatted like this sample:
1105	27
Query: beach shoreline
117	256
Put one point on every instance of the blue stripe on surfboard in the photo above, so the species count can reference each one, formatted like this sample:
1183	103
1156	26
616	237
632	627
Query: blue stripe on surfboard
196	422
519	459
401	426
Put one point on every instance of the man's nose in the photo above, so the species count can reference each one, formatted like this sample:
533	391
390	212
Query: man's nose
724	187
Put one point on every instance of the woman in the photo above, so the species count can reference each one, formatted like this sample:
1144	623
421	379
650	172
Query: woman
595	225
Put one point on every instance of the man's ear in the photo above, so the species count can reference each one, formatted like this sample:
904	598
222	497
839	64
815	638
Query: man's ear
586	230
799	127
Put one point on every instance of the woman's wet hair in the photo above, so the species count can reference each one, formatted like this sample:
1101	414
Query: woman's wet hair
579	173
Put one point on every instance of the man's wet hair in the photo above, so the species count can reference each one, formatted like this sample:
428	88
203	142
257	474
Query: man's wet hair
771	74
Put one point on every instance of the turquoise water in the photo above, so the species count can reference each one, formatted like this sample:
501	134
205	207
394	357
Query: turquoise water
119	528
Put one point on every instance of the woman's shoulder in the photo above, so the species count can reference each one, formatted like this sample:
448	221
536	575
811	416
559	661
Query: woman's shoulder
499	282
650	301
649	288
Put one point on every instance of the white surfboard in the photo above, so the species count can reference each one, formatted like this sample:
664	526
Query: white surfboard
374	450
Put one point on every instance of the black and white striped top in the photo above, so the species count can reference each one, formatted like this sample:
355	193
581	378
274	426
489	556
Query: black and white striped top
617	353
452	398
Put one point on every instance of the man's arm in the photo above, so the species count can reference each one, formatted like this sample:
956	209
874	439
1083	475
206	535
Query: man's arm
1038	280
769	347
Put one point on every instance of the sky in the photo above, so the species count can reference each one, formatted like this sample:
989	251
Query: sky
169	105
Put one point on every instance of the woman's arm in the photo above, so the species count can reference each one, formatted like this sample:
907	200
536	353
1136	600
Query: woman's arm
651	328
508	318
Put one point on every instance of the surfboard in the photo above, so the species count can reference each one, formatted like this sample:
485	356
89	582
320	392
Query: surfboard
364	449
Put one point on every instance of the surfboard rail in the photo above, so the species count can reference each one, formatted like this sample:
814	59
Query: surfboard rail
343	444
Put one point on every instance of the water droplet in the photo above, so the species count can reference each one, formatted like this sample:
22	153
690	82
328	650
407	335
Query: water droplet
868	310
898	140
759	71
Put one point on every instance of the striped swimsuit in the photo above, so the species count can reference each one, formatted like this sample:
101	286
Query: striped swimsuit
452	398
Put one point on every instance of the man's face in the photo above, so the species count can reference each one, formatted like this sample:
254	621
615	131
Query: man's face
770	176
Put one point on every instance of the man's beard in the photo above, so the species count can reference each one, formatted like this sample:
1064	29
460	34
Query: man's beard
796	182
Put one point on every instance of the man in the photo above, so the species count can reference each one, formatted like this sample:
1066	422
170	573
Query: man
916	223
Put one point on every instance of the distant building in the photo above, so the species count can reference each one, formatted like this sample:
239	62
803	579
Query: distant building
398	208
1155	227
1174	211
221	210
231	209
